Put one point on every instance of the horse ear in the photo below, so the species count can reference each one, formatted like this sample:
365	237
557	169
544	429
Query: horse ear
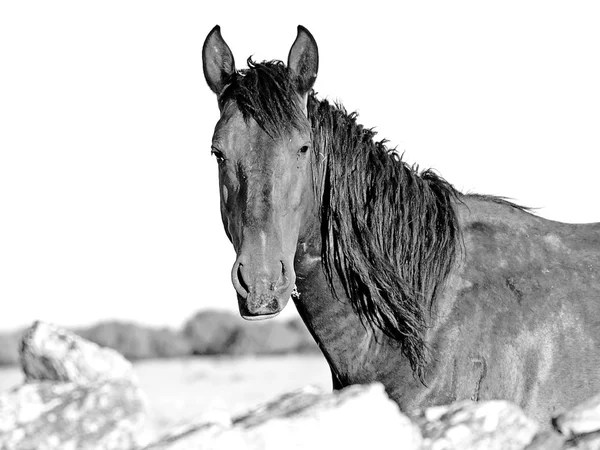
303	61
217	61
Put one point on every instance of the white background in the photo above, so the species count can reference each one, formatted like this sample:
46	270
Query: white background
108	193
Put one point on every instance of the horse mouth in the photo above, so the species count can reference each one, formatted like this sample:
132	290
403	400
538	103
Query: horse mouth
259	317
259	307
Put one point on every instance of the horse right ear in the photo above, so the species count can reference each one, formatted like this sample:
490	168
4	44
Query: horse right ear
217	61
303	61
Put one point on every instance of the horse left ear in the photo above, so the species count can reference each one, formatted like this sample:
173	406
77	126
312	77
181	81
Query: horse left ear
217	61
303	61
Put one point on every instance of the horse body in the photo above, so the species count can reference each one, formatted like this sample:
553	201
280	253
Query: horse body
518	318
400	278
527	297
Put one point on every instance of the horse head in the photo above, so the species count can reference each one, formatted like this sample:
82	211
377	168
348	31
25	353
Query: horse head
262	146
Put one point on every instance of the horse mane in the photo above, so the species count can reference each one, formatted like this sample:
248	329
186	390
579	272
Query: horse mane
390	233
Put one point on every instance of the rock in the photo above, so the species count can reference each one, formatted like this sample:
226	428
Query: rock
79	396
476	426
355	417
213	434
52	353
547	440
583	418
76	396
50	416
585	442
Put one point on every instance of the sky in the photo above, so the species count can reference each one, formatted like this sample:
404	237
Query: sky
109	196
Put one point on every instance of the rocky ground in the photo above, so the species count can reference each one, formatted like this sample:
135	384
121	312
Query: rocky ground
77	395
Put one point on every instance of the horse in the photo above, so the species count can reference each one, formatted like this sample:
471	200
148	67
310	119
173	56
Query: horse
399	277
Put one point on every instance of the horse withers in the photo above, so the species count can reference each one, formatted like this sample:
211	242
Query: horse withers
400	278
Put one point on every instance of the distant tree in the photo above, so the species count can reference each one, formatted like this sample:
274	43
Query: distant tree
209	332
9	348
264	338
135	341
206	333
272	337
167	343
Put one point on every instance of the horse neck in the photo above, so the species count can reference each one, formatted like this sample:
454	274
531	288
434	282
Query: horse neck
353	351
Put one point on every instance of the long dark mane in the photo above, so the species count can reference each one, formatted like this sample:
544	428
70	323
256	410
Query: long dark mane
389	232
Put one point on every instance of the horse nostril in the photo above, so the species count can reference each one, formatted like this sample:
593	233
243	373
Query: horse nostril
284	277
237	278
241	278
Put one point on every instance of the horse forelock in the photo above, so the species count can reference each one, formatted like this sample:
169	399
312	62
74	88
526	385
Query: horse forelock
390	233
266	93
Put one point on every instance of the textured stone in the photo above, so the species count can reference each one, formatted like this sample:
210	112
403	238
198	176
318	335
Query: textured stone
355	417
584	442
547	440
204	434
52	353
76	396
80	396
49	416
583	418
476	426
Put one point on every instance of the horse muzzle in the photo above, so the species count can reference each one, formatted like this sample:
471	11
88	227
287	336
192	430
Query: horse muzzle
262	290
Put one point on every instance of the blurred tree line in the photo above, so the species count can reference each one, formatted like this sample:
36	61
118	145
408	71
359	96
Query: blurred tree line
206	333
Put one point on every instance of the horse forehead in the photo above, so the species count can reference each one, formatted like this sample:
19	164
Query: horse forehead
232	126
250	142
238	130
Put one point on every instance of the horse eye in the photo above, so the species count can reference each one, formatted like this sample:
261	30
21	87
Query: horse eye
218	154
304	148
